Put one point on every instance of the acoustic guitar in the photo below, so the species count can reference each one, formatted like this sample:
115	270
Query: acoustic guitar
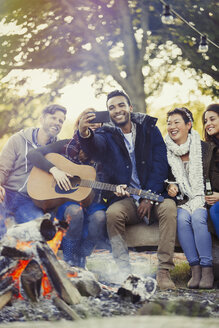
44	190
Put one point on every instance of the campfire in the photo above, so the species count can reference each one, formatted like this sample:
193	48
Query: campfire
29	267
30	271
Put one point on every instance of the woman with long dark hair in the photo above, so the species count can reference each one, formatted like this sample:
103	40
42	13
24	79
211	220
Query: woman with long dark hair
210	121
186	154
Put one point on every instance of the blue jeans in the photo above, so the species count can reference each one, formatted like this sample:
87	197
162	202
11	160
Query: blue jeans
19	206
214	213
194	237
87	227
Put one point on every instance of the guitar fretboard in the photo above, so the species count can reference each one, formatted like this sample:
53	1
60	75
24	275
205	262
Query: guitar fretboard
111	187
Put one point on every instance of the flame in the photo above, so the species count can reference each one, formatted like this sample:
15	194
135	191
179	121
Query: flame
55	243
16	274
46	285
72	274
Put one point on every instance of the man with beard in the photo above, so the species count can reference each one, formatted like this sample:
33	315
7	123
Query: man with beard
15	167
133	153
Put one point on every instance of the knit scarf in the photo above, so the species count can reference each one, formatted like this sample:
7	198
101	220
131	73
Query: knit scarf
190	184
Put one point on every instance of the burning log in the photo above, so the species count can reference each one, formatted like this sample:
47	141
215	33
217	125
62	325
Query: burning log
13	252
6	265
41	229
31	279
137	289
5	299
6	284
28	241
57	275
65	307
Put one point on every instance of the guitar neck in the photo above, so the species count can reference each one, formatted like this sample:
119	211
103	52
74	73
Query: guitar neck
111	187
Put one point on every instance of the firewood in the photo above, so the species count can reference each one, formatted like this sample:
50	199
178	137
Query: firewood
31	279
57	275
6	284
4	299
40	229
65	307
14	253
6	265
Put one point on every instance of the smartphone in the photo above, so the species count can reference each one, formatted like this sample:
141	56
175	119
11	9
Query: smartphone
101	117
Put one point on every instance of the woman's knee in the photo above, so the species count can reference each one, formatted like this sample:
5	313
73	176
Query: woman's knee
199	217
97	224
73	211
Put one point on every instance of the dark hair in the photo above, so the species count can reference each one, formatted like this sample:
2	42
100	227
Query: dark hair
51	109
210	108
184	112
117	93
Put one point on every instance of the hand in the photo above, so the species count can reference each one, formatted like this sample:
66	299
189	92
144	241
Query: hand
121	192
2	194
173	190
144	209
61	178
212	199
84	122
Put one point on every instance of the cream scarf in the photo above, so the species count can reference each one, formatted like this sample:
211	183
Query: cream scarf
190	184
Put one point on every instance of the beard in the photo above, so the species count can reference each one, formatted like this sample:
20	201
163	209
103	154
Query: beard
123	123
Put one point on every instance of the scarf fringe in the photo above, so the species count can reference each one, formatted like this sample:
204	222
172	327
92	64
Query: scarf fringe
192	184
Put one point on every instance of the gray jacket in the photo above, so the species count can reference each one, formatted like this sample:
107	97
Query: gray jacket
14	165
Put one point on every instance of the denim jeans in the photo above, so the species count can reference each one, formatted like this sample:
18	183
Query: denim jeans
19	206
194	237
87	227
214	212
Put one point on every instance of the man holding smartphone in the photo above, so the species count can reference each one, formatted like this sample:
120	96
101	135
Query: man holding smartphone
133	153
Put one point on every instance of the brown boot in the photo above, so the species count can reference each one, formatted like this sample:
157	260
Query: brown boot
163	279
196	277
207	279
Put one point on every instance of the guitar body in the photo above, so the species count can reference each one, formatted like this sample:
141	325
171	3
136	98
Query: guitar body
43	189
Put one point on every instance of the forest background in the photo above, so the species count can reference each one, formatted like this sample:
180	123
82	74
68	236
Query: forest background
73	52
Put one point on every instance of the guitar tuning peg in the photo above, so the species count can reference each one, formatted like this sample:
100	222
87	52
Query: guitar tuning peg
156	203
151	202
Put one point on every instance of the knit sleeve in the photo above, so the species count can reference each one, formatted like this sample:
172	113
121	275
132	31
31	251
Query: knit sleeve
36	156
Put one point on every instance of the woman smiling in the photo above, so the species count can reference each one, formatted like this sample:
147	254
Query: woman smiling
186	154
210	120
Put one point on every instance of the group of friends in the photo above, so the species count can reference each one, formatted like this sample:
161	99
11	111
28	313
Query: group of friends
127	151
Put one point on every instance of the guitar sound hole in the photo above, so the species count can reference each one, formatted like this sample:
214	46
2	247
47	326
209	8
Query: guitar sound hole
75	182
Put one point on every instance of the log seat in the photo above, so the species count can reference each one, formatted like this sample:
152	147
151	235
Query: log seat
144	237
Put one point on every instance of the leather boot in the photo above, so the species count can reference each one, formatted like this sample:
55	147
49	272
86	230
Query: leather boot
196	277
207	279
163	279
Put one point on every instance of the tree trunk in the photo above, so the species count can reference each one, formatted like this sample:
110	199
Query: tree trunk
134	87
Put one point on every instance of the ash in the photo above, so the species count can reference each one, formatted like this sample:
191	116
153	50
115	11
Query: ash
23	310
107	304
